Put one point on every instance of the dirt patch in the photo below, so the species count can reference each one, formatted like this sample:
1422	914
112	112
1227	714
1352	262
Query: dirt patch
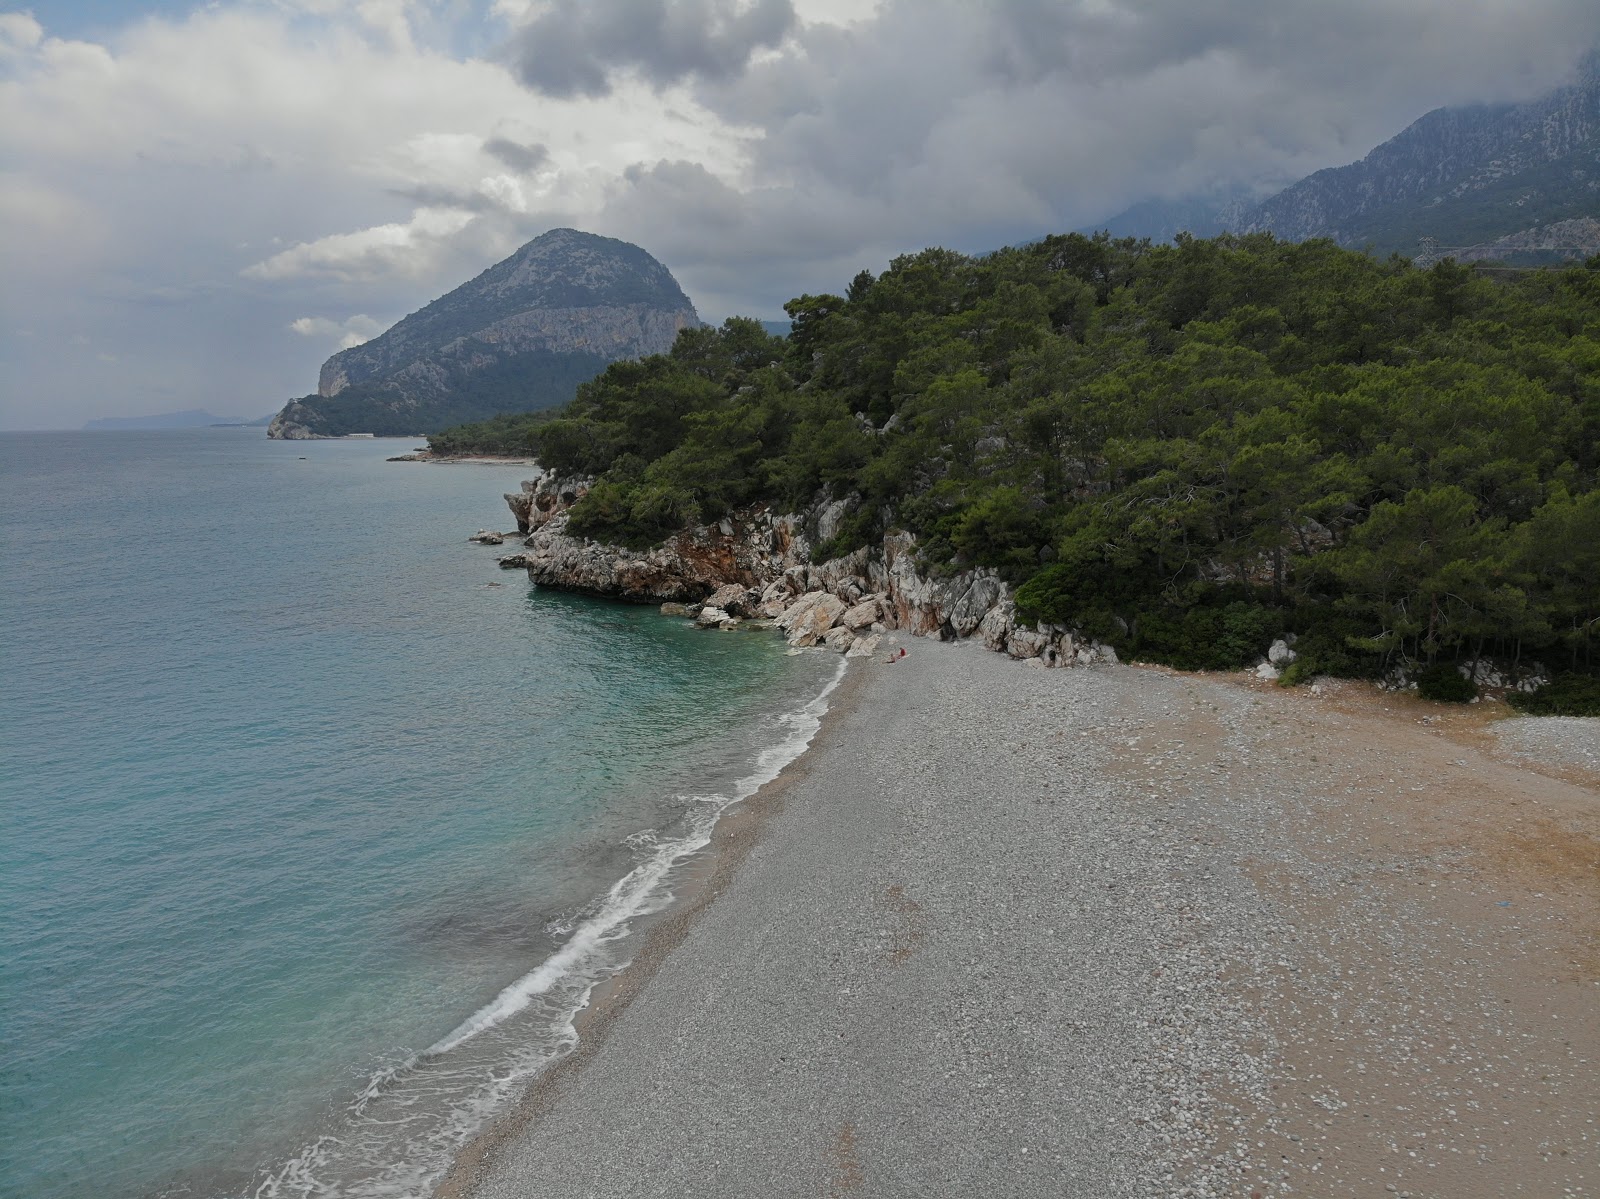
1433	1007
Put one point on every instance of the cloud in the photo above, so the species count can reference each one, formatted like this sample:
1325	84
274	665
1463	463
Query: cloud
946	122
576	47
185	190
351	331
524	159
367	253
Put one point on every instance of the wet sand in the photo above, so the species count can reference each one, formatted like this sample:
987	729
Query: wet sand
1116	932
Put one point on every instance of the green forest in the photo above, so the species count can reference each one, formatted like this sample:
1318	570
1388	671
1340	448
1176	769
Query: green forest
1182	450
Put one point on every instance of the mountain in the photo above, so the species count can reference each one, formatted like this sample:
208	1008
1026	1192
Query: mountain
1517	182
521	336
1204	215
1464	176
193	418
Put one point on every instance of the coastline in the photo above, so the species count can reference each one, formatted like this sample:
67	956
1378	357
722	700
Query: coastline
464	459
739	829
1119	980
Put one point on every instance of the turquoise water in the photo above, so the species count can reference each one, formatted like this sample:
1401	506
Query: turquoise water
317	825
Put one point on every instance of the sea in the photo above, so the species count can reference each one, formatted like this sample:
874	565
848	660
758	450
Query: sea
318	826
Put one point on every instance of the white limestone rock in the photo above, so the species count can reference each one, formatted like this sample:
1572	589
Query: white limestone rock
996	627
812	615
859	616
1026	643
973	604
733	599
864	647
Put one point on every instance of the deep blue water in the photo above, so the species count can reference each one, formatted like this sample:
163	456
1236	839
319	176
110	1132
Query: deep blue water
314	819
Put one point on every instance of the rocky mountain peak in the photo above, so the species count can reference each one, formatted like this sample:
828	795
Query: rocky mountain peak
520	336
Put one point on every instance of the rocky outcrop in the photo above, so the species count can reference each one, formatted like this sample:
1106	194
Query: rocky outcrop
757	565
291	424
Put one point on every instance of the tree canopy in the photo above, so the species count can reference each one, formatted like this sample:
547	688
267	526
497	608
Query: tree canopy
1158	442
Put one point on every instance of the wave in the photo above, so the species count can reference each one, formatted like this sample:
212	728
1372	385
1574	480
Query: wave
403	1127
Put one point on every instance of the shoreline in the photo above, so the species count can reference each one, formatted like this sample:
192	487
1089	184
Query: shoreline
1215	897
739	828
465	459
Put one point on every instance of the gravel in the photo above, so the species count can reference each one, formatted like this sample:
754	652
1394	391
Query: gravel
1104	933
964	960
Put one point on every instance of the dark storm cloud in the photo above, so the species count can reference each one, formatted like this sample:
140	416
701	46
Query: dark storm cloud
520	158
437	195
575	47
973	125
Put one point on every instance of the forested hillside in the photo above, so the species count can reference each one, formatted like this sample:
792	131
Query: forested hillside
1179	449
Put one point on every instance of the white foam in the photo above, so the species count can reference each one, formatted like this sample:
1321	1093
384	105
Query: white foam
563	981
639	892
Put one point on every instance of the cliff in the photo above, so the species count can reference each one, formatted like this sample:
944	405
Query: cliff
521	336
756	565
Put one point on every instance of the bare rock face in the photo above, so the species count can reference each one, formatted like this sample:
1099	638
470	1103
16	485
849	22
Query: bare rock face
734	600
756	564
861	615
565	291
522	335
745	553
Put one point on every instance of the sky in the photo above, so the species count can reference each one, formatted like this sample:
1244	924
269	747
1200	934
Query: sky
200	202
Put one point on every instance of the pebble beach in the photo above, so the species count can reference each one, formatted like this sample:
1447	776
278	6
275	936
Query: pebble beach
1108	931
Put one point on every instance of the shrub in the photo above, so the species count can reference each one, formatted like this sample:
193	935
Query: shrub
1324	648
1444	683
1229	637
1565	695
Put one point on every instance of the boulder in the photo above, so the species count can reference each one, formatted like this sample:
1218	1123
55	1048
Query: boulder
733	599
514	562
710	616
863	647
973	604
670	609
812	615
1062	651
1266	670
1026	643
859	616
996	627
839	638
1280	654
732	622
486	537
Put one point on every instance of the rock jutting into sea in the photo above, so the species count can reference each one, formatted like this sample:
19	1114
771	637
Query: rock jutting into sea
757	565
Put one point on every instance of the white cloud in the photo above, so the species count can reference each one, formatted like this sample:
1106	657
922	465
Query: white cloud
351	331
186	191
374	253
19	33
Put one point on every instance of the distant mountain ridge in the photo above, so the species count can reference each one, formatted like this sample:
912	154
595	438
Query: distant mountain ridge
1484	180
520	336
190	418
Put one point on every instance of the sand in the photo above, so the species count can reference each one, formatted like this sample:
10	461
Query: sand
1007	931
